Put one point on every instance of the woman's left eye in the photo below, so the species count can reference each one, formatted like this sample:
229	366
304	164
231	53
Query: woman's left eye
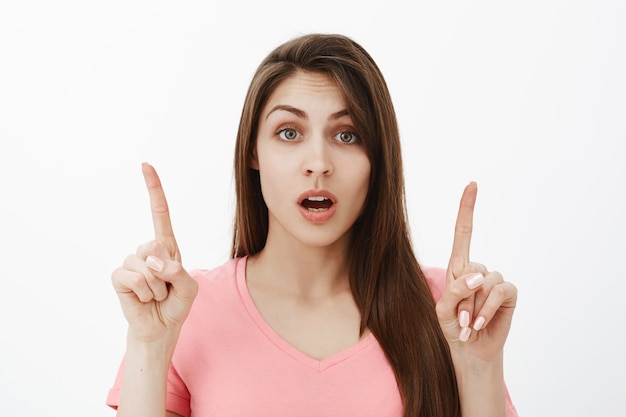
347	137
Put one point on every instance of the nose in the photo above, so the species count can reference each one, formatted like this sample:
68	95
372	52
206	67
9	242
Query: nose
318	158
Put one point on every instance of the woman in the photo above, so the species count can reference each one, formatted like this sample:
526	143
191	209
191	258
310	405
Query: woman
324	309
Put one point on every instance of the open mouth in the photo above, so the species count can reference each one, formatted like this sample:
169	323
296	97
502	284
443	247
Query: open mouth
316	203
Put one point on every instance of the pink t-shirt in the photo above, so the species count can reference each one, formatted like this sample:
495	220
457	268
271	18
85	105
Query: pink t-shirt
230	363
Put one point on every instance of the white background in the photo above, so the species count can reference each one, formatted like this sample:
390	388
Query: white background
527	98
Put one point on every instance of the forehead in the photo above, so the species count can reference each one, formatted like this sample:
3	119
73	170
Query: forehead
303	88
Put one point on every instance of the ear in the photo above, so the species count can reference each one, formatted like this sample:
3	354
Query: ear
254	161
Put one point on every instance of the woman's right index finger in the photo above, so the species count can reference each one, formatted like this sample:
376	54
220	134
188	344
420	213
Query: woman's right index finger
158	204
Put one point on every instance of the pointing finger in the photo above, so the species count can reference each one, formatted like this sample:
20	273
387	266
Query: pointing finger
463	230
158	204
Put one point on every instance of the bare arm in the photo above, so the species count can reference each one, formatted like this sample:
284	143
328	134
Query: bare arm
475	314
156	294
145	380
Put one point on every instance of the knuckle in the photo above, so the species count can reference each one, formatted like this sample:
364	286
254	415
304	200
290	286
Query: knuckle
509	290
440	310
160	208
128	261
496	276
456	291
137	281
500	291
145	297
177	268
155	246
150	279
478	267
141	249
115	275
149	247
463	229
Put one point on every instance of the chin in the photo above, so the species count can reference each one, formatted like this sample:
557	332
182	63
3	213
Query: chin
325	241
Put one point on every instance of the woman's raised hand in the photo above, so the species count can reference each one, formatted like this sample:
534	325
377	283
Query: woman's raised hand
154	289
477	307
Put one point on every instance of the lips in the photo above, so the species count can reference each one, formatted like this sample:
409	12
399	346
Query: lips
317	206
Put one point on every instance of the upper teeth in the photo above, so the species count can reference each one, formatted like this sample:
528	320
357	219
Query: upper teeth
317	198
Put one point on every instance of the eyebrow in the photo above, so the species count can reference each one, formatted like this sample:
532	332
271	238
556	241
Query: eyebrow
302	114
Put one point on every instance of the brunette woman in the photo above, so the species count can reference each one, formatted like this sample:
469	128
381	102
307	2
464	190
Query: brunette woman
323	309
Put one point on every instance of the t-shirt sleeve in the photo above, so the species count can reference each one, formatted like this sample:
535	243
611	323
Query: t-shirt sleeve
436	278
177	396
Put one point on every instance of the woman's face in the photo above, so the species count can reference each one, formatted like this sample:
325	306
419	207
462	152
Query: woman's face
313	167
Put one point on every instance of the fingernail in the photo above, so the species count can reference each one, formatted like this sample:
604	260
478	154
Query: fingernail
464	318
474	281
478	324
464	334
154	263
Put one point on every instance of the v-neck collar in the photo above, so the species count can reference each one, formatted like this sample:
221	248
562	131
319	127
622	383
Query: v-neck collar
279	341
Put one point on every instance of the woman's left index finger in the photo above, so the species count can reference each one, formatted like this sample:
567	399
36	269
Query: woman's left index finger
463	230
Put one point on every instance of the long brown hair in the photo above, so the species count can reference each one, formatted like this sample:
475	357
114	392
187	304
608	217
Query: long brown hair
387	283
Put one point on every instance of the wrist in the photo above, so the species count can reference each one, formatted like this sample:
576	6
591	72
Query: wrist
481	385
159	349
145	376
467	364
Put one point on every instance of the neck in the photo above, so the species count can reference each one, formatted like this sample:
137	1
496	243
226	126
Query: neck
301	270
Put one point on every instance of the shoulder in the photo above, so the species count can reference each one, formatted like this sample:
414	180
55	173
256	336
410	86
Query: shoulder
225	270
436	279
217	288
224	275
217	305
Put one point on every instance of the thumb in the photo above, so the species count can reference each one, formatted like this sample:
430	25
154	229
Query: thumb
182	285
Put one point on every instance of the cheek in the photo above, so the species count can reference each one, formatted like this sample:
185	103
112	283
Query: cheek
274	164
361	174
356	181
275	174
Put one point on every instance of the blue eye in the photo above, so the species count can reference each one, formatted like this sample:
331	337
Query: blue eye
346	137
288	134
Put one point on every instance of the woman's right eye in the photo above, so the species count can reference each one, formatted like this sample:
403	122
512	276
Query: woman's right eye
288	134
